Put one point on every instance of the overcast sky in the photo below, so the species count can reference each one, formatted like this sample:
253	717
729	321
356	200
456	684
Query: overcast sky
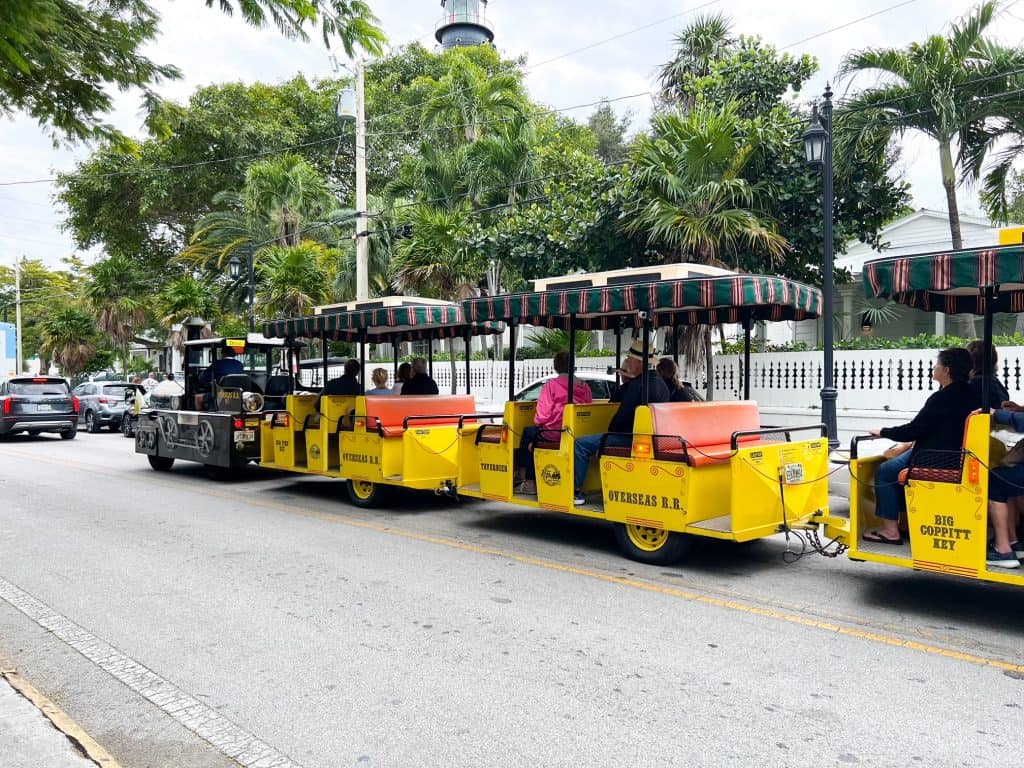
210	47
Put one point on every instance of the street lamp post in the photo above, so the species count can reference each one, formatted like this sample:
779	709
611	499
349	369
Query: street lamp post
352	106
235	265
818	150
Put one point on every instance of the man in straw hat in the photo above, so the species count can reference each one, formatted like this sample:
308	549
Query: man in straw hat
634	370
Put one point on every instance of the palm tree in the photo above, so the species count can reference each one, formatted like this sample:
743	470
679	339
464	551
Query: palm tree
697	46
182	298
118	296
1004	136
946	87
293	279
385	232
468	97
438	262
69	335
690	197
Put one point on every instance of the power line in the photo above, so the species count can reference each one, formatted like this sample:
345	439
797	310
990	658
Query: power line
848	24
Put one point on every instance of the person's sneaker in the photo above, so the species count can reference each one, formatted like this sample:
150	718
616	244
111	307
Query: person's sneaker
1002	559
528	487
579	499
1018	549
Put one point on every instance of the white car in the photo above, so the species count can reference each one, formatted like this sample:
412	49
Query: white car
601	387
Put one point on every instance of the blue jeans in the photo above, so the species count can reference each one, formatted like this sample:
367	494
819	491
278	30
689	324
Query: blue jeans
889	495
585	448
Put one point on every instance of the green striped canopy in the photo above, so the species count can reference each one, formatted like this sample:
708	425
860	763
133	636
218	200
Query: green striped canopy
951	282
689	301
382	324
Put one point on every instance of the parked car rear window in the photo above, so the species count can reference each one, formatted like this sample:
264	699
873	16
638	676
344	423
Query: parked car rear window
55	387
117	392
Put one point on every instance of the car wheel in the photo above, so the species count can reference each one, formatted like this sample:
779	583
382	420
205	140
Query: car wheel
69	434
126	426
92	426
160	463
654	546
365	494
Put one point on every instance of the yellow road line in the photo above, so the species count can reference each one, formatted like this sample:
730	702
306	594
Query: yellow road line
690	596
60	719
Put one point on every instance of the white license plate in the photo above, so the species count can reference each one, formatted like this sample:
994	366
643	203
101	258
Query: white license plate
43	407
245	435
794	473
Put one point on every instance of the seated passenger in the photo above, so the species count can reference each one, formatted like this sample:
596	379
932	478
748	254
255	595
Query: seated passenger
380	383
677	393
347	383
404	374
420	383
1006	482
225	365
630	394
553	397
997	394
939	426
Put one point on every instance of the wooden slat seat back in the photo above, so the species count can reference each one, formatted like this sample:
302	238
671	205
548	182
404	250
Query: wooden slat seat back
390	412
705	428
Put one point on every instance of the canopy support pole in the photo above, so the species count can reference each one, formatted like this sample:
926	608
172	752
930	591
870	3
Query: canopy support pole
572	355
394	354
646	380
323	351
675	345
986	389
362	361
430	358
618	345
747	323
290	360
466	337
512	360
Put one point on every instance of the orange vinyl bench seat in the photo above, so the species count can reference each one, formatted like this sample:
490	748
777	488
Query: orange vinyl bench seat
388	414
701	433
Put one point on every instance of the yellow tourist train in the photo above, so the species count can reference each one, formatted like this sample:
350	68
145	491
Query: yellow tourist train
683	471
947	518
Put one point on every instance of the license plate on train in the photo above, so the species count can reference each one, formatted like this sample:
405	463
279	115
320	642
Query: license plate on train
245	435
794	473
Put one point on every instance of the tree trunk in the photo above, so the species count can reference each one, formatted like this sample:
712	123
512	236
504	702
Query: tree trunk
949	183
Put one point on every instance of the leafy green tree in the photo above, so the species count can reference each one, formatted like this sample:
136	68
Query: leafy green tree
1015	195
42	289
182	298
118	297
467	97
59	57
293	279
762	80
69	336
1000	192
945	87
698	46
610	131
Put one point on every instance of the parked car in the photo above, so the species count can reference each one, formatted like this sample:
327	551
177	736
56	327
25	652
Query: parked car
601	387
102	403
36	404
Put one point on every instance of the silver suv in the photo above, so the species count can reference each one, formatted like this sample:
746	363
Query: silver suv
102	404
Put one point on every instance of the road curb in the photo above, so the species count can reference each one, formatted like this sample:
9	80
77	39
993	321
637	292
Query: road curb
60	719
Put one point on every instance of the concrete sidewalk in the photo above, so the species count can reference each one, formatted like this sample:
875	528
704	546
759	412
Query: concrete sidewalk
29	740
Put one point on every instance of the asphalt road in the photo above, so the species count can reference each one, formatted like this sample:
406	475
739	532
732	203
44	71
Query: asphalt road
186	622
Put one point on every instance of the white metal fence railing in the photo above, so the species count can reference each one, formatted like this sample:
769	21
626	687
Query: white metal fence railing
898	380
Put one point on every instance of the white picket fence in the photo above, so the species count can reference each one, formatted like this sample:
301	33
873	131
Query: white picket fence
876	380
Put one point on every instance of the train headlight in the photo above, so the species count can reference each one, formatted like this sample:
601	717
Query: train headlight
252	401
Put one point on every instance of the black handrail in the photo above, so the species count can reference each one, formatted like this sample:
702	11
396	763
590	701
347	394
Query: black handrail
479	416
423	417
858	439
484	428
734	440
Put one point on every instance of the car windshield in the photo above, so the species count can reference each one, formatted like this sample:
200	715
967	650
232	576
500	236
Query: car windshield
115	391
56	387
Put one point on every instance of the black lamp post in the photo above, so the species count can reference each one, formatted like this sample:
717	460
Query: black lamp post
818	149
235	265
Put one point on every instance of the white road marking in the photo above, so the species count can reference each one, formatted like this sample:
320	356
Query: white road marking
207	723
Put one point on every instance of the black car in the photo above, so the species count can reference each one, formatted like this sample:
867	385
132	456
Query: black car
36	404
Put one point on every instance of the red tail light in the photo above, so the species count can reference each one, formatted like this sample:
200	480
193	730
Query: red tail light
7	406
104	400
239	423
74	404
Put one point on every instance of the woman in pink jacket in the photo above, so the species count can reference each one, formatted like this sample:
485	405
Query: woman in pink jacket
553	397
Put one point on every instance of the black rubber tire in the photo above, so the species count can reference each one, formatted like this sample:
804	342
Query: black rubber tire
92	426
34	432
161	463
365	494
69	434
675	546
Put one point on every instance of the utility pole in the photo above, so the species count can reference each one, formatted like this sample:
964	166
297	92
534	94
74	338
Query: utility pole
17	316
362	239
